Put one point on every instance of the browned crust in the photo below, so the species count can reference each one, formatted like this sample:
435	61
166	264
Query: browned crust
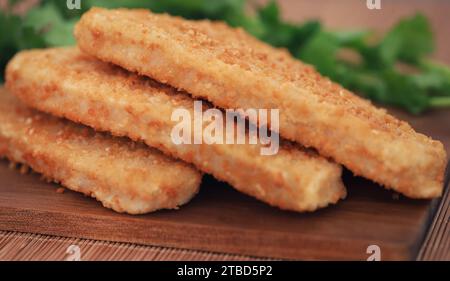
66	83
233	70
123	175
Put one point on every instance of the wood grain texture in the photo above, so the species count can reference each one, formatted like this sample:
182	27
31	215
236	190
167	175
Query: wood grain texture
222	220
15	246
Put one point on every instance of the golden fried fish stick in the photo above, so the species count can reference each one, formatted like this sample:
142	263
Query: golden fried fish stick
234	70
123	175
67	83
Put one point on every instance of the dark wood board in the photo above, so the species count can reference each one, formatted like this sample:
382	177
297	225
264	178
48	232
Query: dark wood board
220	219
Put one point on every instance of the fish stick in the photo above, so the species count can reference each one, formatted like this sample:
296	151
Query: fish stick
231	69
67	83
123	175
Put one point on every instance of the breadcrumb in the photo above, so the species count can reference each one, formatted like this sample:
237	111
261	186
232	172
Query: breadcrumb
67	83
125	179
231	69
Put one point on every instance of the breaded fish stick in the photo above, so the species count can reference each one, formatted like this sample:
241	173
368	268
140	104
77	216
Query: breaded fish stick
233	70
123	175
67	83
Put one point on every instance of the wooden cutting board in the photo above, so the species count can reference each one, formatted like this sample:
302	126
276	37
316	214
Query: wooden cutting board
220	219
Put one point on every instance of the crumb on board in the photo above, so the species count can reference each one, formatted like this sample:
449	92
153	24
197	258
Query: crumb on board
46	179
12	165
60	190
24	169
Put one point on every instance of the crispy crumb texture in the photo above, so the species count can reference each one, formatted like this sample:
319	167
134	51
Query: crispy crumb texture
67	83
233	70
123	175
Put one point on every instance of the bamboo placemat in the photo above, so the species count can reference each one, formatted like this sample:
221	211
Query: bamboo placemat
437	243
15	246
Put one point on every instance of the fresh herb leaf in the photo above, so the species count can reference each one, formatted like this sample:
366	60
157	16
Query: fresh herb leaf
49	23
409	41
321	50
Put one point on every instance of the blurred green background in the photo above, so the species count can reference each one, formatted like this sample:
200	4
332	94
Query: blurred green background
392	68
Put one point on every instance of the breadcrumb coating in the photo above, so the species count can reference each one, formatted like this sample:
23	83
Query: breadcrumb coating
125	176
67	83
231	69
